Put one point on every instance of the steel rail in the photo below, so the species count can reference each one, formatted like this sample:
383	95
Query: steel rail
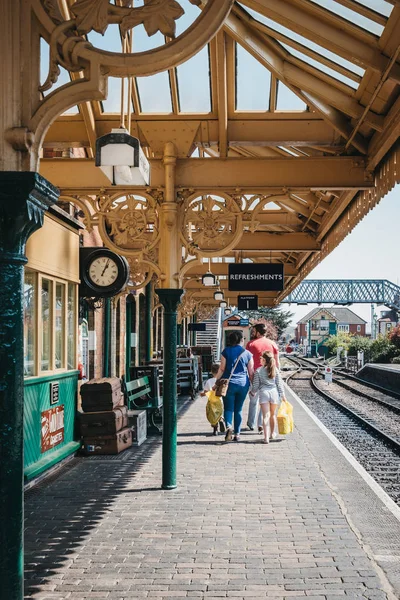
348	387
393	443
368	384
373	386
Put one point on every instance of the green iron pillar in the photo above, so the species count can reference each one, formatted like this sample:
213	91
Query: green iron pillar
107	337
149	321
170	300
24	197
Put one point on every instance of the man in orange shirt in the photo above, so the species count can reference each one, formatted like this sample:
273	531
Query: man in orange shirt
257	345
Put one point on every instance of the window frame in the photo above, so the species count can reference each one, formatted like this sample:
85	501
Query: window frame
38	329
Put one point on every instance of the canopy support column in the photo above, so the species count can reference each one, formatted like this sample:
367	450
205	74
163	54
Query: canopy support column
24	197
149	321
170	300
170	257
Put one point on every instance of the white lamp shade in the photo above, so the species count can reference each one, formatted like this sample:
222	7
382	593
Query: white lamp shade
223	304
117	155
218	295
208	279
121	159
227	311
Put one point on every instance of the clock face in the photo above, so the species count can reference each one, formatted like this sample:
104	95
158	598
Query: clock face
103	271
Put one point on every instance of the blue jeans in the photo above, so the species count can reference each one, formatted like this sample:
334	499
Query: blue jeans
255	415
233	405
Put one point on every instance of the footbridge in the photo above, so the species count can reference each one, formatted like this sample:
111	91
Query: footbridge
346	291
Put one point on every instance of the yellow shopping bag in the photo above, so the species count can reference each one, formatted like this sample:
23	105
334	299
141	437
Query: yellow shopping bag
214	408
285	418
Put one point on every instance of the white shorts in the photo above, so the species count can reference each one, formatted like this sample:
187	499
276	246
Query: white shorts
271	396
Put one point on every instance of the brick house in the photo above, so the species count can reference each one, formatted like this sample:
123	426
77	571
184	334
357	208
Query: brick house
320	323
387	321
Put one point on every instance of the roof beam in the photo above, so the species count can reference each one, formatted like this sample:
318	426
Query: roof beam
307	20
252	174
282	242
222	95
222	269
299	208
293	75
286	129
337	120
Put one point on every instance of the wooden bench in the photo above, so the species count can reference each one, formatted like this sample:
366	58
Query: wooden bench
137	395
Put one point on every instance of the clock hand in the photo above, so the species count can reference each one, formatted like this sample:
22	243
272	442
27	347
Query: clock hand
105	268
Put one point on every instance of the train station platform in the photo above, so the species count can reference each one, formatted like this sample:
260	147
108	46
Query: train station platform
294	519
385	375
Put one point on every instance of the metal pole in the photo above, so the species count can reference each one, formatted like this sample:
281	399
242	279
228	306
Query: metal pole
170	299
149	321
24	198
106	346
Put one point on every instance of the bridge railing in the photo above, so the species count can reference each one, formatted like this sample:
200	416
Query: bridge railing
346	291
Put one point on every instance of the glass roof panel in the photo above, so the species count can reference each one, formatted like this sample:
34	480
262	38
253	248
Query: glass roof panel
380	6
350	15
287	100
306	42
194	84
253	82
155	93
113	102
321	67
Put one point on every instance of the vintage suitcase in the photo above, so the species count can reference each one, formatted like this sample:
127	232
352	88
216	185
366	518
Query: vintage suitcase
103	423
101	394
108	444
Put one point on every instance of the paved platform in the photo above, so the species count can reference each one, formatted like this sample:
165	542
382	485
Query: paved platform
387	376
290	520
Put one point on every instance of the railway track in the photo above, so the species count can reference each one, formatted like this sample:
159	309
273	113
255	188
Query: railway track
368	427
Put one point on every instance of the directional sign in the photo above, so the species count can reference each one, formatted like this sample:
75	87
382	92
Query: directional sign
237	322
247	303
328	374
197	327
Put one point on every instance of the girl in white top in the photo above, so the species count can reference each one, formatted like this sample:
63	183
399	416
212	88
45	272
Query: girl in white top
268	382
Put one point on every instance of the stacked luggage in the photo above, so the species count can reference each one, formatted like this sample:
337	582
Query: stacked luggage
104	422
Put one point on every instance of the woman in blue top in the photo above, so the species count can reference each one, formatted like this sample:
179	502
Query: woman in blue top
239	383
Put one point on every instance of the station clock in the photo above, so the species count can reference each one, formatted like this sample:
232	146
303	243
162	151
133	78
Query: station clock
103	273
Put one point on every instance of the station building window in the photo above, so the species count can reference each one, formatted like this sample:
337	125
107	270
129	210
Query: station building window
49	324
29	324
46	302
344	328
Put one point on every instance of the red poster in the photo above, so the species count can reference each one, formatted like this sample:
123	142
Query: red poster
52	427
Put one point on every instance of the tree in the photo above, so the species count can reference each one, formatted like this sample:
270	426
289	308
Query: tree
359	343
272	330
341	340
277	316
394	336
382	350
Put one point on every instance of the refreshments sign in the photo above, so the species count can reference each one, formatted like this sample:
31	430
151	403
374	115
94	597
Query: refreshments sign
252	277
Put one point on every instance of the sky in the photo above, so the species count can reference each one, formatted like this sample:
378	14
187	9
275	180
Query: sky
370	251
